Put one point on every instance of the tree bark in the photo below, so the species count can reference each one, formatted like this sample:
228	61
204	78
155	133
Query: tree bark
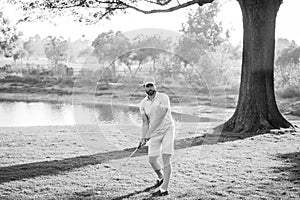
257	110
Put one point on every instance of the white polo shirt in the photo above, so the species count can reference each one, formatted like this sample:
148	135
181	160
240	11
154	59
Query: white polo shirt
149	107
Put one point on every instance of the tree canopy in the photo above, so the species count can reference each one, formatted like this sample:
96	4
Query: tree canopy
56	50
203	26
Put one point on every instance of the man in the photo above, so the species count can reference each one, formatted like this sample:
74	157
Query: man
159	129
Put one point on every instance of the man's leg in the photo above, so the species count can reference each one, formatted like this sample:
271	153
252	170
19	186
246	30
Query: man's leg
167	152
153	160
154	152
167	170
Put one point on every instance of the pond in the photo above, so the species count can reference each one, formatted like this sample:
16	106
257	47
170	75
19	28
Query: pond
15	114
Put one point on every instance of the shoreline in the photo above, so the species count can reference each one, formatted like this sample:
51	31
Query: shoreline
57	93
286	106
290	108
216	107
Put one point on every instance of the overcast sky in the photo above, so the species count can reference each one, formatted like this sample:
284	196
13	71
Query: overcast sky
287	23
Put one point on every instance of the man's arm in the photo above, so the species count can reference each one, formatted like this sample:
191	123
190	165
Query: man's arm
145	125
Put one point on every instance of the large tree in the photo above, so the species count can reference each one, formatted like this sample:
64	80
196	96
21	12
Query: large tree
149	47
56	50
108	46
256	110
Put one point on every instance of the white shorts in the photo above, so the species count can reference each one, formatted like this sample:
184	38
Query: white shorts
162	144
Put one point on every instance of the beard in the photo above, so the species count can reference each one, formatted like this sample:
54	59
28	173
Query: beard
150	92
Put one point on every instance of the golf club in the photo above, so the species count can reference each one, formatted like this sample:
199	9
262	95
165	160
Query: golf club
111	177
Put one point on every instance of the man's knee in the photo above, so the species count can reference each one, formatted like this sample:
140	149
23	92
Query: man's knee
153	159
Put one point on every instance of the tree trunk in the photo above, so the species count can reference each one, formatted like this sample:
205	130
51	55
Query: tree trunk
138	68
129	68
154	65
114	71
257	110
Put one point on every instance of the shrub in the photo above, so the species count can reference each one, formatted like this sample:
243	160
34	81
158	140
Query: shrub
287	80
290	92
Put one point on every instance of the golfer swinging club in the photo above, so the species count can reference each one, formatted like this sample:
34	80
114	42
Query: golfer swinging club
159	128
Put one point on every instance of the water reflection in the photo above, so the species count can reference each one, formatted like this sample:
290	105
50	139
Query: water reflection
117	113
37	114
44	114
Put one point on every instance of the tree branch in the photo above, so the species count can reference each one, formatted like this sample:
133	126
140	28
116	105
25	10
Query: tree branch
123	5
110	7
171	9
159	2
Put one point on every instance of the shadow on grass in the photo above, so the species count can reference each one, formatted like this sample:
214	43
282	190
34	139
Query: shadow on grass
93	194
148	189
53	167
292	167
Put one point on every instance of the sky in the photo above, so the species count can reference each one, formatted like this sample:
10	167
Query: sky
230	15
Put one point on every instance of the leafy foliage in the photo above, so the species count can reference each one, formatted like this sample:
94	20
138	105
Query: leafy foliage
109	45
146	48
203	27
85	52
8	36
35	46
202	33
290	55
75	48
19	54
56	50
283	43
189	49
287	80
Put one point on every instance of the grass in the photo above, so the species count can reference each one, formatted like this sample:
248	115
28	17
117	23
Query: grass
55	163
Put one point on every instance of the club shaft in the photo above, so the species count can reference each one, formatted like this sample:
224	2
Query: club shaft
121	166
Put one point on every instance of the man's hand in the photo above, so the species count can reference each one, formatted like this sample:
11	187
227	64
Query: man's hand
143	141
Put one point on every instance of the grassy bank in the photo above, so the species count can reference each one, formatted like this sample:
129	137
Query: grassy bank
88	96
56	92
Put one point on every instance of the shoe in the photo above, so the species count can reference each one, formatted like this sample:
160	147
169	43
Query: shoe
158	183
158	193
